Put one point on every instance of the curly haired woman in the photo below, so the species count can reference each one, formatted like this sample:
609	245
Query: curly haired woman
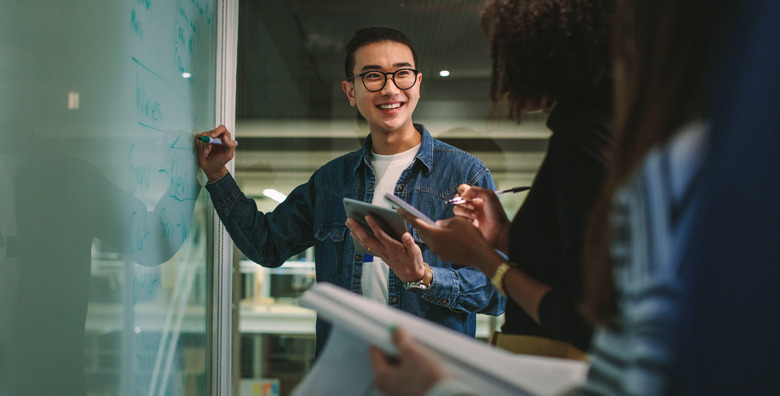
554	56
551	55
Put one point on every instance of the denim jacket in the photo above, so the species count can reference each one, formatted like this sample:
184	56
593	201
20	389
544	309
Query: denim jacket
313	215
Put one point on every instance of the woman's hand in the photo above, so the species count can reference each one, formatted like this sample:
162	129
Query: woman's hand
456	240
484	210
412	373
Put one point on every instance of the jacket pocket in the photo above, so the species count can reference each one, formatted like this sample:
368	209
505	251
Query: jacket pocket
331	239
331	233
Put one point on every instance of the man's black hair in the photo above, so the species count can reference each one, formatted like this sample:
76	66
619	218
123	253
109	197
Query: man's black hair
372	35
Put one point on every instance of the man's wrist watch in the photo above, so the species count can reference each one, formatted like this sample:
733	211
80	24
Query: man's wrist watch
422	284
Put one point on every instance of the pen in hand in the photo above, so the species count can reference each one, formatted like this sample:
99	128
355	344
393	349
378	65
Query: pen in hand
211	140
460	200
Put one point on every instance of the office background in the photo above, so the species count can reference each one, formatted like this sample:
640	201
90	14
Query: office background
118	89
292	117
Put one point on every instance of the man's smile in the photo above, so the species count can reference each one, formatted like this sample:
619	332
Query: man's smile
389	106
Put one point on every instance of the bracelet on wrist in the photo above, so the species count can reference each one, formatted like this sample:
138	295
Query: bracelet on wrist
498	277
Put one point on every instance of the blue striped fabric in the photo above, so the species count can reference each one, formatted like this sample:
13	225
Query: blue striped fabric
635	356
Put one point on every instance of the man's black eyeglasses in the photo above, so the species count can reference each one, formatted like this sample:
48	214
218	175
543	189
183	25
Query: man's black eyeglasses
375	80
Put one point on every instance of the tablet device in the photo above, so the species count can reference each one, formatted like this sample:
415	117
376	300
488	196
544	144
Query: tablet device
391	222
400	203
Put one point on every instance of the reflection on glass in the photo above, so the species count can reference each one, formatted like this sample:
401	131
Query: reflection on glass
103	253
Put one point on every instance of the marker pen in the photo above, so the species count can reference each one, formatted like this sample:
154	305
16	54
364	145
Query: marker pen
211	140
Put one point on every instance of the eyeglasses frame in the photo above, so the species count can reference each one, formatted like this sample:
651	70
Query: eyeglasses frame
361	75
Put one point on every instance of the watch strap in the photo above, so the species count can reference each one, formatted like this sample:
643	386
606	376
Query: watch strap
422	284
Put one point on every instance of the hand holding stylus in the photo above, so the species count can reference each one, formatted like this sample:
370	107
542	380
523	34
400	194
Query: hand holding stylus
459	200
482	207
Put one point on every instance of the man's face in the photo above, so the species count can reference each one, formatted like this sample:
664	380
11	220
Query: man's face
389	109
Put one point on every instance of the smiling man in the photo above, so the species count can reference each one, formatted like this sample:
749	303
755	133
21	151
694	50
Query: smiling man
398	157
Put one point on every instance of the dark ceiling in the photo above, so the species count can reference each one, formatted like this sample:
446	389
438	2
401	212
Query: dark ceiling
291	113
291	55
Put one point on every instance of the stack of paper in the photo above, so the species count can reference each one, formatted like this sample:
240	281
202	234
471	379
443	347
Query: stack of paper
343	367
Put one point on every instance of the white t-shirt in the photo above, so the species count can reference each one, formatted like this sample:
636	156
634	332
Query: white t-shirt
387	169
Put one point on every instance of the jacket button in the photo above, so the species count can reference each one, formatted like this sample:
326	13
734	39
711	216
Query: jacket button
400	188
394	300
357	257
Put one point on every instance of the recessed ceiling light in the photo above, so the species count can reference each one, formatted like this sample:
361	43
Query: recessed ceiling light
444	73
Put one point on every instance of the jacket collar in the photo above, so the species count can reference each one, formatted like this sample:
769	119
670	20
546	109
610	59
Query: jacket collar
424	155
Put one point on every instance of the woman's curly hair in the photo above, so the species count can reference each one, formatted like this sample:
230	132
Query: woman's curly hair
547	51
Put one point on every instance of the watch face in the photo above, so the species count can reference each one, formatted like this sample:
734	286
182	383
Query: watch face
422	284
415	285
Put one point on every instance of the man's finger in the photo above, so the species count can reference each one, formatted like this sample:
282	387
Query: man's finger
379	233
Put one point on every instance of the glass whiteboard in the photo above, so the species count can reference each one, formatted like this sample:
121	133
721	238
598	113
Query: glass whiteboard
105	264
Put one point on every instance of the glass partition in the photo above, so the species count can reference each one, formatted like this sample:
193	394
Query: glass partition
104	254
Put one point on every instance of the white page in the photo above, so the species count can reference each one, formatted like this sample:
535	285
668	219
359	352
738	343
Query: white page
341	369
487	368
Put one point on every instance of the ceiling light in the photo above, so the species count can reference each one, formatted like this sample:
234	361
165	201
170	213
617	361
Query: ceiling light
73	100
274	194
444	73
